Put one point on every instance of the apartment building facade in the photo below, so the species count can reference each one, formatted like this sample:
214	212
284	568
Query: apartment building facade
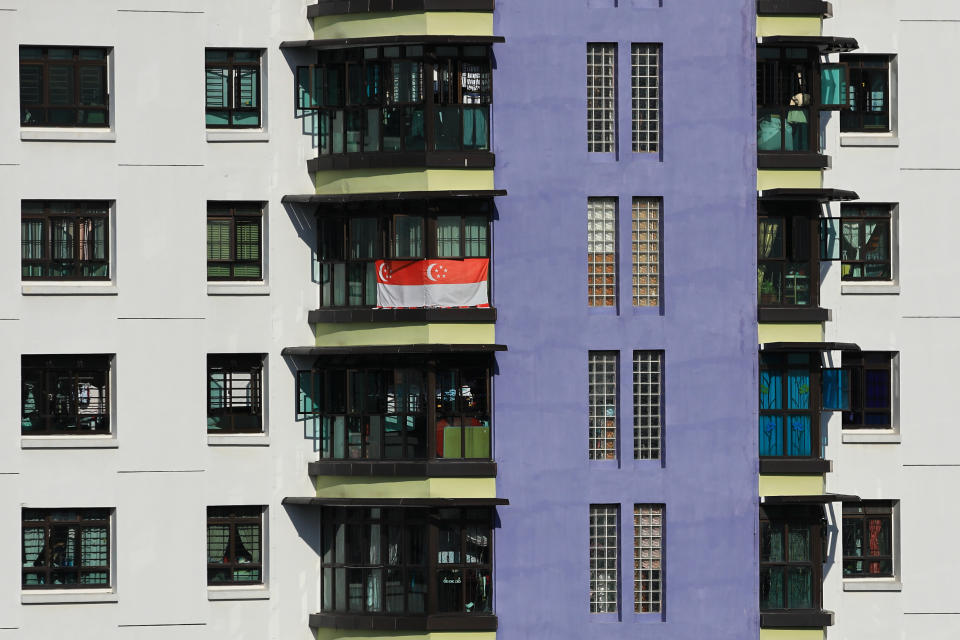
471	360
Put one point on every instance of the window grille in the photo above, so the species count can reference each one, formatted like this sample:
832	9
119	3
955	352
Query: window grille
65	548
602	370
647	388
234	545
601	252
601	97
647	558
645	79
646	252
603	557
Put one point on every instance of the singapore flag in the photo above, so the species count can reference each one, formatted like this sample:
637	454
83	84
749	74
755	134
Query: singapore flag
432	283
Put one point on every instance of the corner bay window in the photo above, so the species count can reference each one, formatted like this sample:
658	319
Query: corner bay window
791	556
786	256
65	394
399	410
234	545
786	120
234	393
868	539
407	561
400	98
351	238
63	87
65	548
64	240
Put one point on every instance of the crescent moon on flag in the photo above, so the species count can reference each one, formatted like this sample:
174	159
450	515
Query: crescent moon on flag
383	276
430	272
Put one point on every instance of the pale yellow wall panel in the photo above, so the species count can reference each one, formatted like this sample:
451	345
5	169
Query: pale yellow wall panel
380	180
403	23
775	332
789	179
788	485
792	634
788	26
342	334
371	487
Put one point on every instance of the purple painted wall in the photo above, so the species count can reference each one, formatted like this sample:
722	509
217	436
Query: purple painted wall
707	326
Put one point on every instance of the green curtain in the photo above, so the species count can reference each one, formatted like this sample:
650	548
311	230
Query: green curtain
218	539
31	246
448	236
475	237
218	247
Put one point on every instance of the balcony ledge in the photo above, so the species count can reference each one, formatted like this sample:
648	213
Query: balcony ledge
318	316
392	159
413	468
337	7
376	622
810	619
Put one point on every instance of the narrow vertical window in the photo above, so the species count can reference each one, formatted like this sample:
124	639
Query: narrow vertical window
647	558
601	252
646	252
647	389
601	97
604	540
645	81
602	370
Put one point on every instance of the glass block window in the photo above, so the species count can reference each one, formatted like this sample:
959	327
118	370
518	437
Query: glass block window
647	558
646	252
603	557
647	389
645	81
602	371
601	252
601	97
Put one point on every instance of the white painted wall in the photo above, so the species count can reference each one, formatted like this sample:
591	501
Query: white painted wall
921	322
161	323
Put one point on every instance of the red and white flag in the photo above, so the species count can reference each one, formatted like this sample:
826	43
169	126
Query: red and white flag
432	283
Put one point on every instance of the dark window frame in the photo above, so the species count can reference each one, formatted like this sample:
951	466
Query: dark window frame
228	364
82	212
233	517
799	225
76	64
774	96
233	87
852	120
859	365
812	412
420	533
862	513
376	65
370	441
47	403
356	273
228	211
46	564
855	212
797	517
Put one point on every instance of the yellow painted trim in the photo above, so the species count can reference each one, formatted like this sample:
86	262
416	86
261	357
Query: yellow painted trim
792	634
786	485
405	23
333	334
370	487
789	333
378	180
789	179
789	26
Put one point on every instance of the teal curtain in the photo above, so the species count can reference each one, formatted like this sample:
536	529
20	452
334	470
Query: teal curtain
31	246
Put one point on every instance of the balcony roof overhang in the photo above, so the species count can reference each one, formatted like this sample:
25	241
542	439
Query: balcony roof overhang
806	347
794	8
805	195
351	43
342	198
825	44
336	7
392	349
396	502
820	498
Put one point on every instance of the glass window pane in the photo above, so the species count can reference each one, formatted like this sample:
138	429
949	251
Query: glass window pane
448	236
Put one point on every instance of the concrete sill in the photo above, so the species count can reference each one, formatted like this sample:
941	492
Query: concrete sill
238	440
236	289
69	442
878	140
870	289
52	134
256	135
68	596
238	593
872	585
73	289
886	437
